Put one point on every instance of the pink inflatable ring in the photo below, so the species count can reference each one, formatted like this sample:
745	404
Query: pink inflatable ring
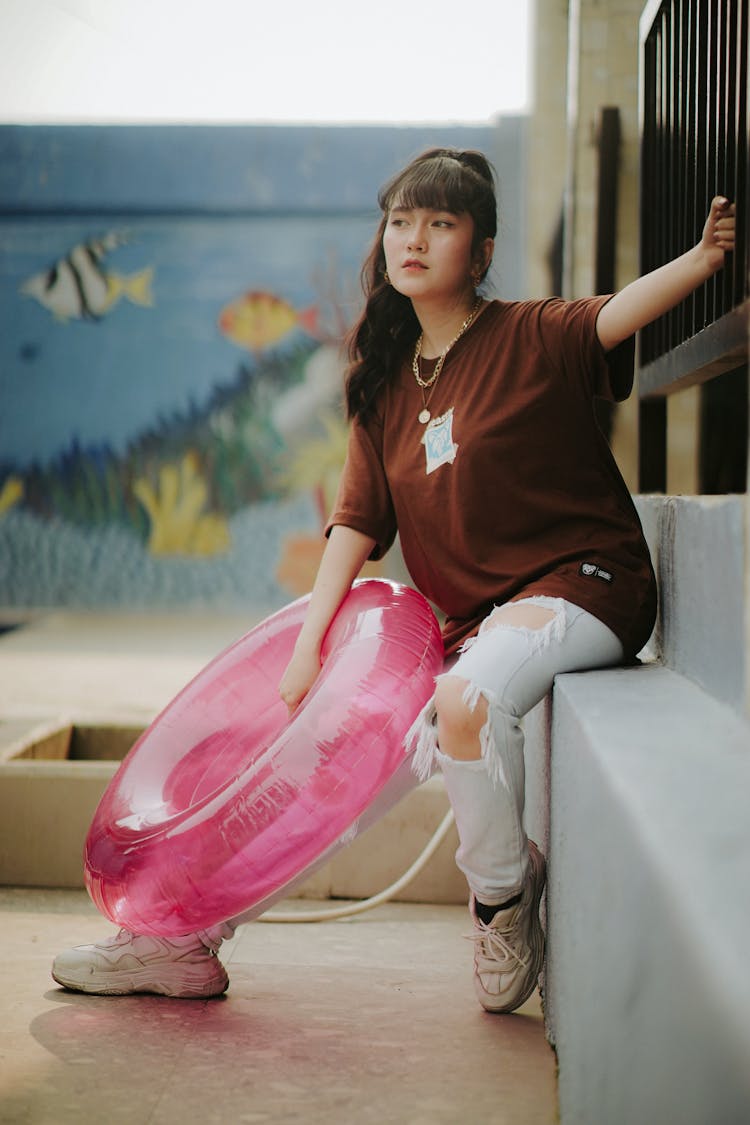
224	803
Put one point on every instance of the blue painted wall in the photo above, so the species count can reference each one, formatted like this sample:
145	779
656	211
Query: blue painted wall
170	421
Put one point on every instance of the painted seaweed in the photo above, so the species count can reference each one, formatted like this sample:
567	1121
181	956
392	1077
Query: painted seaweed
231	443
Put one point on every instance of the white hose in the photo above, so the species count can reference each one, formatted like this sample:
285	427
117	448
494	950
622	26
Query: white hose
368	903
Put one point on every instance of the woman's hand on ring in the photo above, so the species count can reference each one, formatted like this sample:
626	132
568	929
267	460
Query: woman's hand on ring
300	675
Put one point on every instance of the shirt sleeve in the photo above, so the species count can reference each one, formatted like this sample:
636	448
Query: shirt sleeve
363	501
568	331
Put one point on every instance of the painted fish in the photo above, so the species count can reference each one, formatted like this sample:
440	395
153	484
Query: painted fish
77	287
256	320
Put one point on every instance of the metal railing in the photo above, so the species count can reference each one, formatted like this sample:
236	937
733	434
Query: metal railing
694	145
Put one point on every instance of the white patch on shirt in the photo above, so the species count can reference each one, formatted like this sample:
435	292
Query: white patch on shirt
438	442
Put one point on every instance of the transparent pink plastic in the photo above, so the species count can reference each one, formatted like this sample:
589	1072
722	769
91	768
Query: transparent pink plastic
224	804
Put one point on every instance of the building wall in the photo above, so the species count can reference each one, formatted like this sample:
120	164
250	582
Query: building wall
547	159
605	73
585	59
619	755
173	302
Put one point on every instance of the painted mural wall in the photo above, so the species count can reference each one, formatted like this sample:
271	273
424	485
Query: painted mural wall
173	302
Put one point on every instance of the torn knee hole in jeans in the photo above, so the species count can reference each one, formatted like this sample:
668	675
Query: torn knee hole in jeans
496	733
493	741
422	736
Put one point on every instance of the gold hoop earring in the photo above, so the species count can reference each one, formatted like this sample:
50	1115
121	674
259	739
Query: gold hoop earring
386	278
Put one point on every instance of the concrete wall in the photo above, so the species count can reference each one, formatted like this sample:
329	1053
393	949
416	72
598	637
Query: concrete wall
645	773
586	58
697	546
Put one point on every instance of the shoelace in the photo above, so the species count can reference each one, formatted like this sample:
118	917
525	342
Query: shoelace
491	942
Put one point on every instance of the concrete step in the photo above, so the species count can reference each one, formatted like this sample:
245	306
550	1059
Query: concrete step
648	990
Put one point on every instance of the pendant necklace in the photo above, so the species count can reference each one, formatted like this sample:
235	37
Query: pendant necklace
430	384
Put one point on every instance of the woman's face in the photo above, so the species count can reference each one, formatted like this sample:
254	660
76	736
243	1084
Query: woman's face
428	253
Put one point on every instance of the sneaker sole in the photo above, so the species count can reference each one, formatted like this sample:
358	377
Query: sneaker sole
180	985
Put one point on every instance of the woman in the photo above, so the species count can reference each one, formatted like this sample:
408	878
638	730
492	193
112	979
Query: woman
473	435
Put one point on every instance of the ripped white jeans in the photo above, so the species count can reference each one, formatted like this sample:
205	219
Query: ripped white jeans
512	667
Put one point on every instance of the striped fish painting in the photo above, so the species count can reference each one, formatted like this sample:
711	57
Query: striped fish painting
79	287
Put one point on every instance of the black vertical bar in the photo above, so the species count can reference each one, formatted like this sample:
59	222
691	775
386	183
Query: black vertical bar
607	197
728	180
740	185
663	250
652	446
648	190
699	143
656	186
689	76
608	143
722	450
712	138
676	315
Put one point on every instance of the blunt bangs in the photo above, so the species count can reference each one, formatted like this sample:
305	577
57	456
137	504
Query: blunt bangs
436	185
443	183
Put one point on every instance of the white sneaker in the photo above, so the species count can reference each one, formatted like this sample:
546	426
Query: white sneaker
127	963
509	950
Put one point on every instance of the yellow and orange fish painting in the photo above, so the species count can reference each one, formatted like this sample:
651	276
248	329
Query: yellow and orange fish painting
257	320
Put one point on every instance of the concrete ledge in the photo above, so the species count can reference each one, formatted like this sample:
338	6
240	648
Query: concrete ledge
648	992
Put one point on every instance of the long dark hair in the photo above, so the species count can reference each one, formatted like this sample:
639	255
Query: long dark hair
441	179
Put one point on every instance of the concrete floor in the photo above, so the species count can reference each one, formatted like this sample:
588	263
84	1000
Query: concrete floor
371	1019
368	1019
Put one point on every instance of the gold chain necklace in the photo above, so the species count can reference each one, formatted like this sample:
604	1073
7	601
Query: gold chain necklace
426	384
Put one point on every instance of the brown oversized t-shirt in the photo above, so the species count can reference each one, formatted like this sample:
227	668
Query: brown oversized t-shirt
512	489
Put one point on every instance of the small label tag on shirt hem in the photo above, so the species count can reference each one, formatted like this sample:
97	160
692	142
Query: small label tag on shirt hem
592	570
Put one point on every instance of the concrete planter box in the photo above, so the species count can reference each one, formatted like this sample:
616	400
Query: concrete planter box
52	778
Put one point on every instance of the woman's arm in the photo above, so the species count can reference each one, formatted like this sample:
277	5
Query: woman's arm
344	556
655	293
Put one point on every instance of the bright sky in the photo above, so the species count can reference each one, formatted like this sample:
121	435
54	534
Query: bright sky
263	60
